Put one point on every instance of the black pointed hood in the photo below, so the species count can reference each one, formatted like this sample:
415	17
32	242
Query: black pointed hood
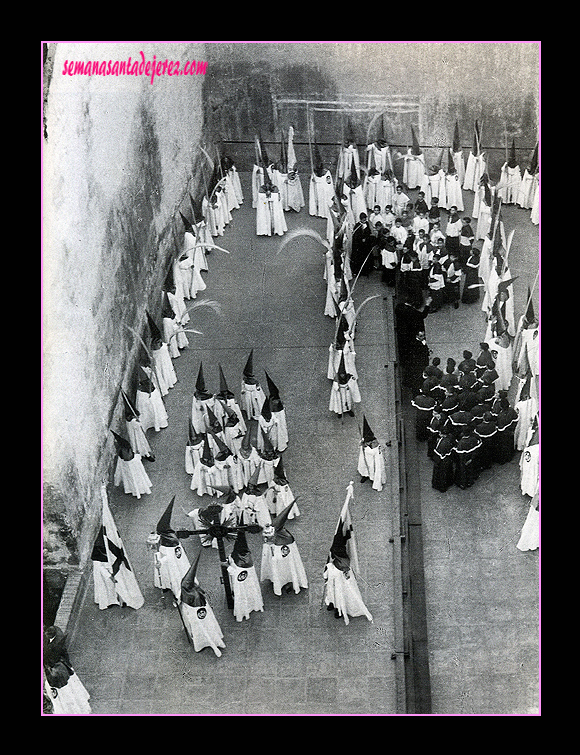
164	528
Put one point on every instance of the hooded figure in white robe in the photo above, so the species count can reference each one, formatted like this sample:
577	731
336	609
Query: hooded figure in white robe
170	560
281	561
197	614
113	576
347	155
248	457
457	156
379	155
279	495
161	359
414	165
270	219
341	591
229	167
68	695
225	404
149	404
353	190
244	580
321	188
530	534
476	163
252	396
135	432
371	461
206	474
252	507
453	192
344	393
508	186
129	470
279	432
193	448
64	689
529	183
342	346
530	463
201	401
293	196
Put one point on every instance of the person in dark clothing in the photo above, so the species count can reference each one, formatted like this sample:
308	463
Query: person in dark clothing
443	462
362	243
434	429
421	204
424	405
415	363
409	320
507	418
466	458
486	430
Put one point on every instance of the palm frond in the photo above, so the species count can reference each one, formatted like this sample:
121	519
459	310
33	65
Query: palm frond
210	161
209	303
210	246
298	233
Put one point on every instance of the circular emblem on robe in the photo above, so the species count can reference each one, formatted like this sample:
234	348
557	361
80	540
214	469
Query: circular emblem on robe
201	613
527	456
178	552
242	575
285	550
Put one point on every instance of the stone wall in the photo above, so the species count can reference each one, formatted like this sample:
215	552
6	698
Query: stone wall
119	156
427	85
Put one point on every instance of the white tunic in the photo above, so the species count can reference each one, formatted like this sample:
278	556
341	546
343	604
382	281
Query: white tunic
453	193
342	591
371	463
171	564
530	534
509	183
413	170
246	590
344	397
252	399
137	438
72	699
132	475
151	410
203	628
270	214
474	170
320	195
530	470
282	565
